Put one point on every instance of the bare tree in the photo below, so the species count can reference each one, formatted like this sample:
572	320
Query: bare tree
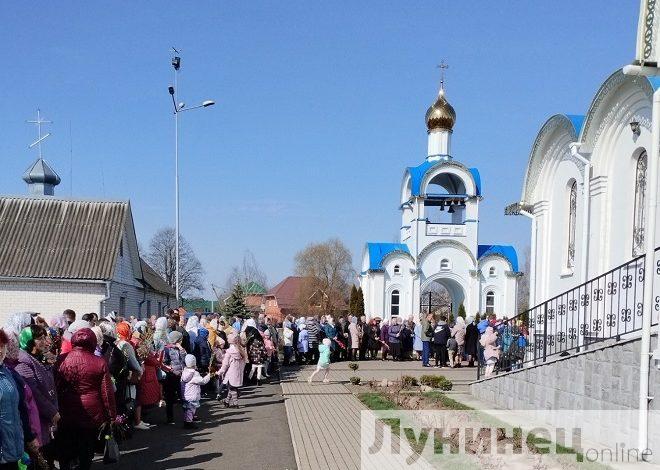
440	299
326	269
523	283
162	258
247	273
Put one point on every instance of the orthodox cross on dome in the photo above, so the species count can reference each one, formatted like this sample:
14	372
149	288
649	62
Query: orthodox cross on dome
442	66
39	122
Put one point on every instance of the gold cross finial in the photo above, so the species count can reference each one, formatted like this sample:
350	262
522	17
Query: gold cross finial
442	66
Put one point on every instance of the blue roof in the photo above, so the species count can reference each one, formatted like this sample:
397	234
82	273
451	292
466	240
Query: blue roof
507	251
655	82
577	121
417	175
378	251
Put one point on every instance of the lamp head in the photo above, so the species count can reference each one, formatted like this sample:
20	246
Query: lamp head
171	90
634	127
208	103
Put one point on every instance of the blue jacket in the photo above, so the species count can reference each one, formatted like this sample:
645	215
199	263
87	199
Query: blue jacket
203	348
482	325
11	430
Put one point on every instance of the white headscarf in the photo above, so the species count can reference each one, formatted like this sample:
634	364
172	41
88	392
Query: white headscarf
460	322
192	324
17	321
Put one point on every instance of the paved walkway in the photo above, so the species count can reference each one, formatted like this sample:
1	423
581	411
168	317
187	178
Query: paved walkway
325	418
255	436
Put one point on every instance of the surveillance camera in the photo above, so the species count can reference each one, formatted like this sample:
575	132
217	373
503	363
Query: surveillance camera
171	90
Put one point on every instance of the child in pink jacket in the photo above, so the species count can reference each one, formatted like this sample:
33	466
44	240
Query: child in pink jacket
191	390
270	351
233	365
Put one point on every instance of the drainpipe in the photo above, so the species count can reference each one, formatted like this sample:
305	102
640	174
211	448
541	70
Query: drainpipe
105	299
586	192
649	257
532	262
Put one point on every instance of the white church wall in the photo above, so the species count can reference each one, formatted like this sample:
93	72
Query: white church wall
401	281
494	278
563	276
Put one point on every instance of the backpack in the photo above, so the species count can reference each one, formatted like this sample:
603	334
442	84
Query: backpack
117	362
452	344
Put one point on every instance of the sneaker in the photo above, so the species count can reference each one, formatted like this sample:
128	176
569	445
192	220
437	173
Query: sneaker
169	422
326	381
143	426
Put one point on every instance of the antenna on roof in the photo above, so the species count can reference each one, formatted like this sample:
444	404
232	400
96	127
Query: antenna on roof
38	122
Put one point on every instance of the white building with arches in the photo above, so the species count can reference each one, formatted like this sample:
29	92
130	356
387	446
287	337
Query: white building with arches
585	188
439	236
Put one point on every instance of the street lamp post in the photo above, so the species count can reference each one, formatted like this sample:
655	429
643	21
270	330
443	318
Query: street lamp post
179	108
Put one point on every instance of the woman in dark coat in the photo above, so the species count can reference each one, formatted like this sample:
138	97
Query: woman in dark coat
33	344
471	340
86	400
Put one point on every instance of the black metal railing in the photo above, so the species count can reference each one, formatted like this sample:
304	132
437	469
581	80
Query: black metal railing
606	307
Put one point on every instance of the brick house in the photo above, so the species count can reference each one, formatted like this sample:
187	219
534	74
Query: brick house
283	299
59	253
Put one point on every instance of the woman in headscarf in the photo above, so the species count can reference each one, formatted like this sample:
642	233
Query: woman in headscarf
355	335
232	368
173	363
32	342
458	333
125	346
86	400
192	327
471	340
16	322
491	350
160	333
148	389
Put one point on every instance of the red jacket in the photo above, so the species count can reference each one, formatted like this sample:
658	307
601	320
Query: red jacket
84	387
149	387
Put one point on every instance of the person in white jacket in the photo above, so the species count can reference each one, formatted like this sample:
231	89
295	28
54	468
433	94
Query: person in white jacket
191	390
287	335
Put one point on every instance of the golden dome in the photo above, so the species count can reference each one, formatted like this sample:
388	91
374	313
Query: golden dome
441	114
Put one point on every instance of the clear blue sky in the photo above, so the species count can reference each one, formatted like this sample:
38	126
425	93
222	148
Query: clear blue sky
320	108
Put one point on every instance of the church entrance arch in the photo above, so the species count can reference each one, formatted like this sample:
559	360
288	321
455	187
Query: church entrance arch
441	295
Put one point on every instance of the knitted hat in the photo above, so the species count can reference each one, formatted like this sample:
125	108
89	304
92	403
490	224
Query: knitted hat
190	361
174	337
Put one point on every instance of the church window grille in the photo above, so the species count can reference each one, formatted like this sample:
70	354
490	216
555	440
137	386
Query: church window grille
572	214
122	306
640	199
444	265
490	302
492	272
397	269
148	307
394	303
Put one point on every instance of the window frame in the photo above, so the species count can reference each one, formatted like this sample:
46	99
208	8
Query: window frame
395	306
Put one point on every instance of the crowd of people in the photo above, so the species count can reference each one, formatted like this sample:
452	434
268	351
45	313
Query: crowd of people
435	340
60	383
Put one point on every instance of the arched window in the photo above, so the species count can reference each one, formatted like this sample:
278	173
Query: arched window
490	302
394	303
397	269
638	213
492	272
444	265
572	213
